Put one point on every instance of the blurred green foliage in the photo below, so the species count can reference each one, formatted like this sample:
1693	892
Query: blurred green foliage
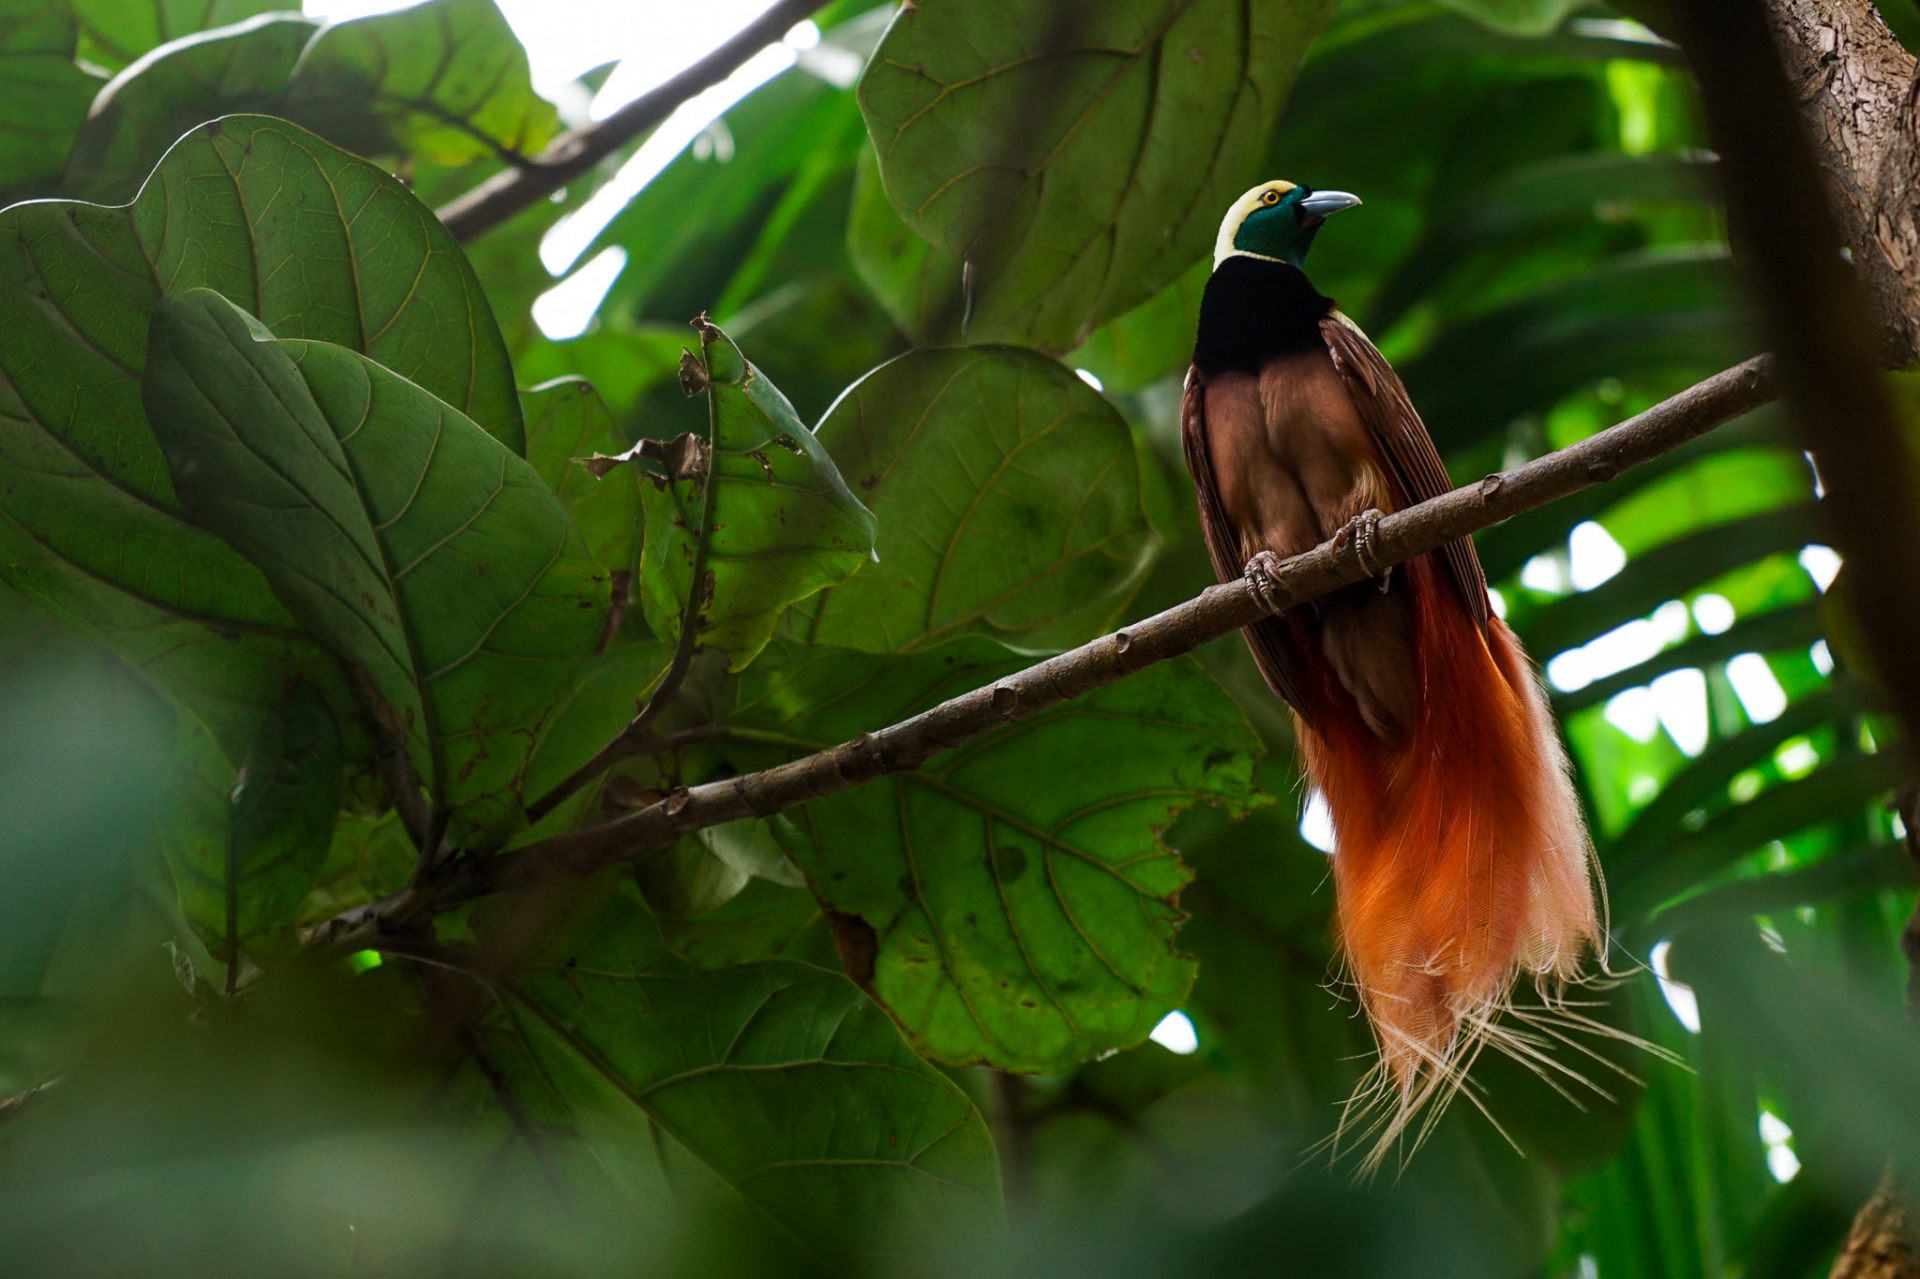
771	1049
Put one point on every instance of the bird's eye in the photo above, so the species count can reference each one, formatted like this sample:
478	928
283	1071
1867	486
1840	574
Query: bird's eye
1271	197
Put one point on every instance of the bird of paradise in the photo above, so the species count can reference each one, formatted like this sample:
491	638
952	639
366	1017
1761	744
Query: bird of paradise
1462	867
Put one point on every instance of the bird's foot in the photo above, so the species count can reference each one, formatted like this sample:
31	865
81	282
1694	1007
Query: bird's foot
1259	573
1360	534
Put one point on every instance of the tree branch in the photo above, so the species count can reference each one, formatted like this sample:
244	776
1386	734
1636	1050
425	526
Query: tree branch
572	154
1217	610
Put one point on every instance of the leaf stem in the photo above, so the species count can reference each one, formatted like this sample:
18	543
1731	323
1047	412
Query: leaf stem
1214	612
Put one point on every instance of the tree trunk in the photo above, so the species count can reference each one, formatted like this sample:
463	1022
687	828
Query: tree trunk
1859	95
1881	1243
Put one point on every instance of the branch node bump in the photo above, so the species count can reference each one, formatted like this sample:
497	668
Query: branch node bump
866	754
1006	699
748	786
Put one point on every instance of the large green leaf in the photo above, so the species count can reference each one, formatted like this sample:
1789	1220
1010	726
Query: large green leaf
1008	495
748	521
1469	109
1852	874
567	423
1824	1033
312	240
1648	314
418	548
1080	162
780	1078
918	283
1671	569
239	68
1654	871
1014	905
115	32
447	81
444	83
1795	626
253	843
1694	1148
1506	547
1550	198
43	94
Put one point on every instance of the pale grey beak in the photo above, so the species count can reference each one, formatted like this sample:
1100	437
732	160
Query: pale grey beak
1322	203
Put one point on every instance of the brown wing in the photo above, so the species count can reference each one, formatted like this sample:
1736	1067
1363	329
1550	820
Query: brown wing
1404	442
1270	639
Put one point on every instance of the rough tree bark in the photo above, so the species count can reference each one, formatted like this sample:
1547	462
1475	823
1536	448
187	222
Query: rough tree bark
1856	86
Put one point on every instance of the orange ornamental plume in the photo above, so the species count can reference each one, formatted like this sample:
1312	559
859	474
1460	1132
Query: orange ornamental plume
1461	864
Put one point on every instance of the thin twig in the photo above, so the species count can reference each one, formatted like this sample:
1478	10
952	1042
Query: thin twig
620	595
633	738
12	1107
1216	611
396	771
572	154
